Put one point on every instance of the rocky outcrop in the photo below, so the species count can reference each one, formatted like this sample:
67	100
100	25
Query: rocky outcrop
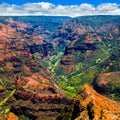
82	48
90	105
44	50
18	26
10	116
98	106
108	84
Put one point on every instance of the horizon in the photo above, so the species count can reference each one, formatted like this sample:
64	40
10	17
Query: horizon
57	16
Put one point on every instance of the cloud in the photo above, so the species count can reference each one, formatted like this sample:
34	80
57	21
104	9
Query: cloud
49	9
109	9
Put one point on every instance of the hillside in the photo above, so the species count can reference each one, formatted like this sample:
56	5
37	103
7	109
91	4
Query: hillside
86	47
90	105
25	84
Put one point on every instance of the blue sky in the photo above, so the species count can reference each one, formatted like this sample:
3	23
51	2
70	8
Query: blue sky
62	2
71	8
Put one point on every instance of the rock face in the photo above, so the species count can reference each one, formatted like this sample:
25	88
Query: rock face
108	83
34	37
83	48
90	105
10	116
27	80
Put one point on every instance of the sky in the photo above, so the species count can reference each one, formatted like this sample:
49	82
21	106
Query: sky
72	8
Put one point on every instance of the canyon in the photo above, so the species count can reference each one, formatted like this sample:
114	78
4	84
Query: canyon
48	65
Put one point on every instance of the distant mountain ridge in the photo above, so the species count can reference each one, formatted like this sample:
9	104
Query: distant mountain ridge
47	22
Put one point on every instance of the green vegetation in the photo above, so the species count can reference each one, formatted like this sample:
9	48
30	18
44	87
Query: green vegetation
4	100
8	92
5	110
97	21
87	66
1	82
70	113
51	63
85	70
23	117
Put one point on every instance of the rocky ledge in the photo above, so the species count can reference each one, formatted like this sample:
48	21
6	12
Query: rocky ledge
90	105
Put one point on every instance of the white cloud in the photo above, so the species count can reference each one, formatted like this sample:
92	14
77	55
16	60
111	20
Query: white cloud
45	8
109	9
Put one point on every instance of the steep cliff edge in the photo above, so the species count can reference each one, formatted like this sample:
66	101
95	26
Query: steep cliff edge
90	105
